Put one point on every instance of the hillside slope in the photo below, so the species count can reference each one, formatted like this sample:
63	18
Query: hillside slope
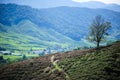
73	22
26	35
104	65
23	27
77	65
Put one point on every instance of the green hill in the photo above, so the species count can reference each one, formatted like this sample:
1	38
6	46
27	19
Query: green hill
104	65
73	22
23	27
74	65
26	35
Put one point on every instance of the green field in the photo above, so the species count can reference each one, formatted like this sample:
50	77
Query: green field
14	58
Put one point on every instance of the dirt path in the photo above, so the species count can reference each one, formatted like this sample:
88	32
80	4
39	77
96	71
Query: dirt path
54	62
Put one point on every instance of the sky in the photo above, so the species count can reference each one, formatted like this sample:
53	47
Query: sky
52	3
104	1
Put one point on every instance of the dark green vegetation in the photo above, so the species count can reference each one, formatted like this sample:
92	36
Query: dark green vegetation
77	65
23	27
104	65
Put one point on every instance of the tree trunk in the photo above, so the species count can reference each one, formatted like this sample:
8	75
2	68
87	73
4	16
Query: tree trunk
97	45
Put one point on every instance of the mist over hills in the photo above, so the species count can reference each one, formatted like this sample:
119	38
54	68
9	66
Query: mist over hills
70	3
97	4
64	26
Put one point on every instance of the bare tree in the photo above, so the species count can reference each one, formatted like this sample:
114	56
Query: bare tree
98	30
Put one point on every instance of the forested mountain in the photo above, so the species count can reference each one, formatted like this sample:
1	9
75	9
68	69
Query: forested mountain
97	4
57	36
70	3
62	26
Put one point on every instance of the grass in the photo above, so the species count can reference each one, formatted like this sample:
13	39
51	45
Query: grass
20	37
57	67
31	55
94	66
14	58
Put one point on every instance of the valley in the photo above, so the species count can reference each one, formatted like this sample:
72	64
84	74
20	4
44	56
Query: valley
65	27
65	40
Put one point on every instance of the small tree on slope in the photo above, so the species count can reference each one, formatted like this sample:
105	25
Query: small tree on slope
98	30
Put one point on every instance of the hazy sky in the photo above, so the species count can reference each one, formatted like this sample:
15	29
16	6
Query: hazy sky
52	3
105	1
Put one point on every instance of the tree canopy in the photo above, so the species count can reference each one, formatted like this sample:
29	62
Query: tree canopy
98	30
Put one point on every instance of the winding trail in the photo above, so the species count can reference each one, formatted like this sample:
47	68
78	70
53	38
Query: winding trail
54	62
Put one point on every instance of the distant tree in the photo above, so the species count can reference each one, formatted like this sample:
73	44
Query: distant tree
24	56
49	50
42	53
98	30
31	49
2	60
2	49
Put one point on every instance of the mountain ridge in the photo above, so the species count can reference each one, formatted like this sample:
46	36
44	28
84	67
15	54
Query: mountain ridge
69	3
23	37
71	22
